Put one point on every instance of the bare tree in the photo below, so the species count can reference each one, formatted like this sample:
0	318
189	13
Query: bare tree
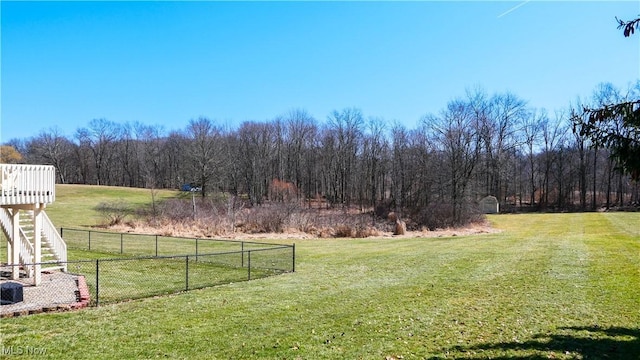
256	153
499	120
205	151
400	182
373	170
100	138
531	138
346	129
300	130
50	147
456	137
148	153
177	160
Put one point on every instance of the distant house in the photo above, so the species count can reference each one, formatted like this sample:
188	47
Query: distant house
489	205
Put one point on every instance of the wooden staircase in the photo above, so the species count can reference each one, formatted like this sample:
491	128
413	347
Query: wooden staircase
33	243
51	253
53	250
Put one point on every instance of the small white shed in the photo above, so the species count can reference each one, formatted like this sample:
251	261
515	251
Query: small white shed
489	205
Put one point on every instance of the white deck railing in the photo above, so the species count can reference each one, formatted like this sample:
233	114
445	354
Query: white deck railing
27	252
54	239
27	184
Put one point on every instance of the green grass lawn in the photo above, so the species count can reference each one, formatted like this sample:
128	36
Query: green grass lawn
125	279
560	286
75	204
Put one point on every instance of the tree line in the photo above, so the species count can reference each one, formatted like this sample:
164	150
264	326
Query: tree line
480	144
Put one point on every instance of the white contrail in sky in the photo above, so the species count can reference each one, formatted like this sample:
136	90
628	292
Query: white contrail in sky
513	8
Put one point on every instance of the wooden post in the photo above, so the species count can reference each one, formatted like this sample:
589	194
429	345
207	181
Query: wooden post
15	256
10	247
37	242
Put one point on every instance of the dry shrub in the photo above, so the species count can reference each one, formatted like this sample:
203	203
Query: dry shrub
176	210
343	224
344	231
440	216
401	228
367	232
383	209
113	212
301	221
326	233
283	191
198	228
270	218
227	214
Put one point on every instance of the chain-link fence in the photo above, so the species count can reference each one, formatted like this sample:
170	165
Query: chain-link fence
150	265
152	245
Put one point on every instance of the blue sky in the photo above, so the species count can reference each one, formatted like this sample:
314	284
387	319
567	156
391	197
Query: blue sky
165	63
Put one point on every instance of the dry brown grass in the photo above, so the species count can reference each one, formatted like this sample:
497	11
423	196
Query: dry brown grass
276	220
204	231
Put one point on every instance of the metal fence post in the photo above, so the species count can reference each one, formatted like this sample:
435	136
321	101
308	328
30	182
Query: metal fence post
187	272
242	249
97	282
196	249
121	243
249	264
156	245
294	258
89	240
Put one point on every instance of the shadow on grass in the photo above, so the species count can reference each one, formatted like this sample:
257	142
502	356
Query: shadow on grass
581	342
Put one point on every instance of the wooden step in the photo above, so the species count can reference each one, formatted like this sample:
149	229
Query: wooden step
52	268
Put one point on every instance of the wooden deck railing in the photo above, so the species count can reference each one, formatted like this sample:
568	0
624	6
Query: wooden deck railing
27	184
26	250
52	237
